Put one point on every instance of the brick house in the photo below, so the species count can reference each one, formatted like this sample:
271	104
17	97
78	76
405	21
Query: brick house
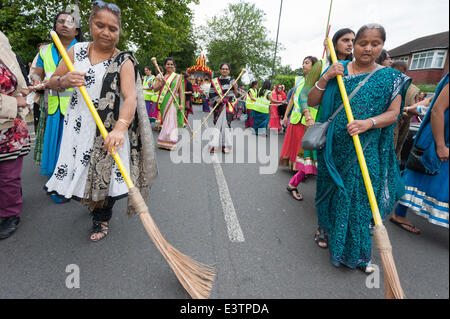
427	57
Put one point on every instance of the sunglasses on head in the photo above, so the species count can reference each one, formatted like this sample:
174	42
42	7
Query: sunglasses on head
110	6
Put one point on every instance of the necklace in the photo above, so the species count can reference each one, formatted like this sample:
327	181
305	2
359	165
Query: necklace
354	71
89	51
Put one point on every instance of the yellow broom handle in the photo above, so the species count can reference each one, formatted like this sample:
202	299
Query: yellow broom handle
357	142
91	106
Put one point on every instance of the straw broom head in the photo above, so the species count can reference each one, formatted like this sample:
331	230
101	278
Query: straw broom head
393	287
195	277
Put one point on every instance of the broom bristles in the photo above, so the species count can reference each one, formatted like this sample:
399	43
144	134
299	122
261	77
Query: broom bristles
392	282
195	277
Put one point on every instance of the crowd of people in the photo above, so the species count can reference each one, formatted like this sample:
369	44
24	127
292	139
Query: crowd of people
76	160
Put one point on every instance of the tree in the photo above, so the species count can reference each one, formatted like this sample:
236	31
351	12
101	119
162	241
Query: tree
150	27
239	37
287	70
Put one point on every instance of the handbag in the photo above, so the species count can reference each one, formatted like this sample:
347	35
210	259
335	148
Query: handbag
415	161
315	136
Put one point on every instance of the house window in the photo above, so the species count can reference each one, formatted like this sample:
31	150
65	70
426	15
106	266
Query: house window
428	60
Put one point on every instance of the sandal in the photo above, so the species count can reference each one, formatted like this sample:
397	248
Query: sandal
321	239
292	190
403	226
99	231
369	269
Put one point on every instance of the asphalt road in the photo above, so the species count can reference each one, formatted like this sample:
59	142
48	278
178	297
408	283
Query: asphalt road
275	259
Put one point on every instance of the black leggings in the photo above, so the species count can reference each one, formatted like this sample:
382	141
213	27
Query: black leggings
104	214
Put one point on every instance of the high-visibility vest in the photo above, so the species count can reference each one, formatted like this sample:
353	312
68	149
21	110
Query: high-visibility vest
216	84
249	103
314	111
55	99
149	95
297	114
262	104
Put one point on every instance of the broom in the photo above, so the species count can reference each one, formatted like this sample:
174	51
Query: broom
196	278
173	95
327	31
217	103
392	282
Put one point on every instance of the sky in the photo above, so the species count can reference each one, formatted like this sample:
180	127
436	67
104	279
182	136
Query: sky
303	23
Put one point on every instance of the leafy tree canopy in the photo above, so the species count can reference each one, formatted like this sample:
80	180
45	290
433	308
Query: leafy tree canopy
157	28
239	37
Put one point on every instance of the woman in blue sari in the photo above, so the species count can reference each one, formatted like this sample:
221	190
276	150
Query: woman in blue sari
427	194
343	208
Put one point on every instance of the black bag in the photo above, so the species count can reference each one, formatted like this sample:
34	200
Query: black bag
415	161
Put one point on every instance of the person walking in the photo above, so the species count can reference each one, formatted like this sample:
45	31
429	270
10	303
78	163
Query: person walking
343	209
306	162
427	188
251	98
295	131
279	96
261	109
171	115
14	138
150	96
223	114
47	63
85	169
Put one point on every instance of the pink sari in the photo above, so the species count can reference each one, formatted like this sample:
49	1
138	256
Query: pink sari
168	138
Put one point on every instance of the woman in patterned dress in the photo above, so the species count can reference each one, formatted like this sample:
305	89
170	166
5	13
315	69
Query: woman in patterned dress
14	138
343	207
85	170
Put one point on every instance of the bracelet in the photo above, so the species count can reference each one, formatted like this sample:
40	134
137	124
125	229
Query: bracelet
374	122
126	123
326	79
317	87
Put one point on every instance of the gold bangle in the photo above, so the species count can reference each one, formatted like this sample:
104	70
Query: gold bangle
126	123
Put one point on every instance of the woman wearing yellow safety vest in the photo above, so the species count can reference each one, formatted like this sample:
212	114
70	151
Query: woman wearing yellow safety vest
306	163
251	96
261	108
48	60
150	96
296	129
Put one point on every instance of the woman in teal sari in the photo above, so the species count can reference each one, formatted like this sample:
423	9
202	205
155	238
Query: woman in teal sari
343	208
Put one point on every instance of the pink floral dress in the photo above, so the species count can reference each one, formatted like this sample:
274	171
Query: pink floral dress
15	141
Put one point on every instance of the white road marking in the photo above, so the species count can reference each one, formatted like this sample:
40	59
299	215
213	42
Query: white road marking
233	227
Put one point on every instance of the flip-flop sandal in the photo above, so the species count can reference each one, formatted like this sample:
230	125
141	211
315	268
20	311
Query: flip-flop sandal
321	238
292	190
401	225
99	228
369	269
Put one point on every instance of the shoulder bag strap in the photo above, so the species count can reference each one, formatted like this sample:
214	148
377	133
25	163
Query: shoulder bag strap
355	91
